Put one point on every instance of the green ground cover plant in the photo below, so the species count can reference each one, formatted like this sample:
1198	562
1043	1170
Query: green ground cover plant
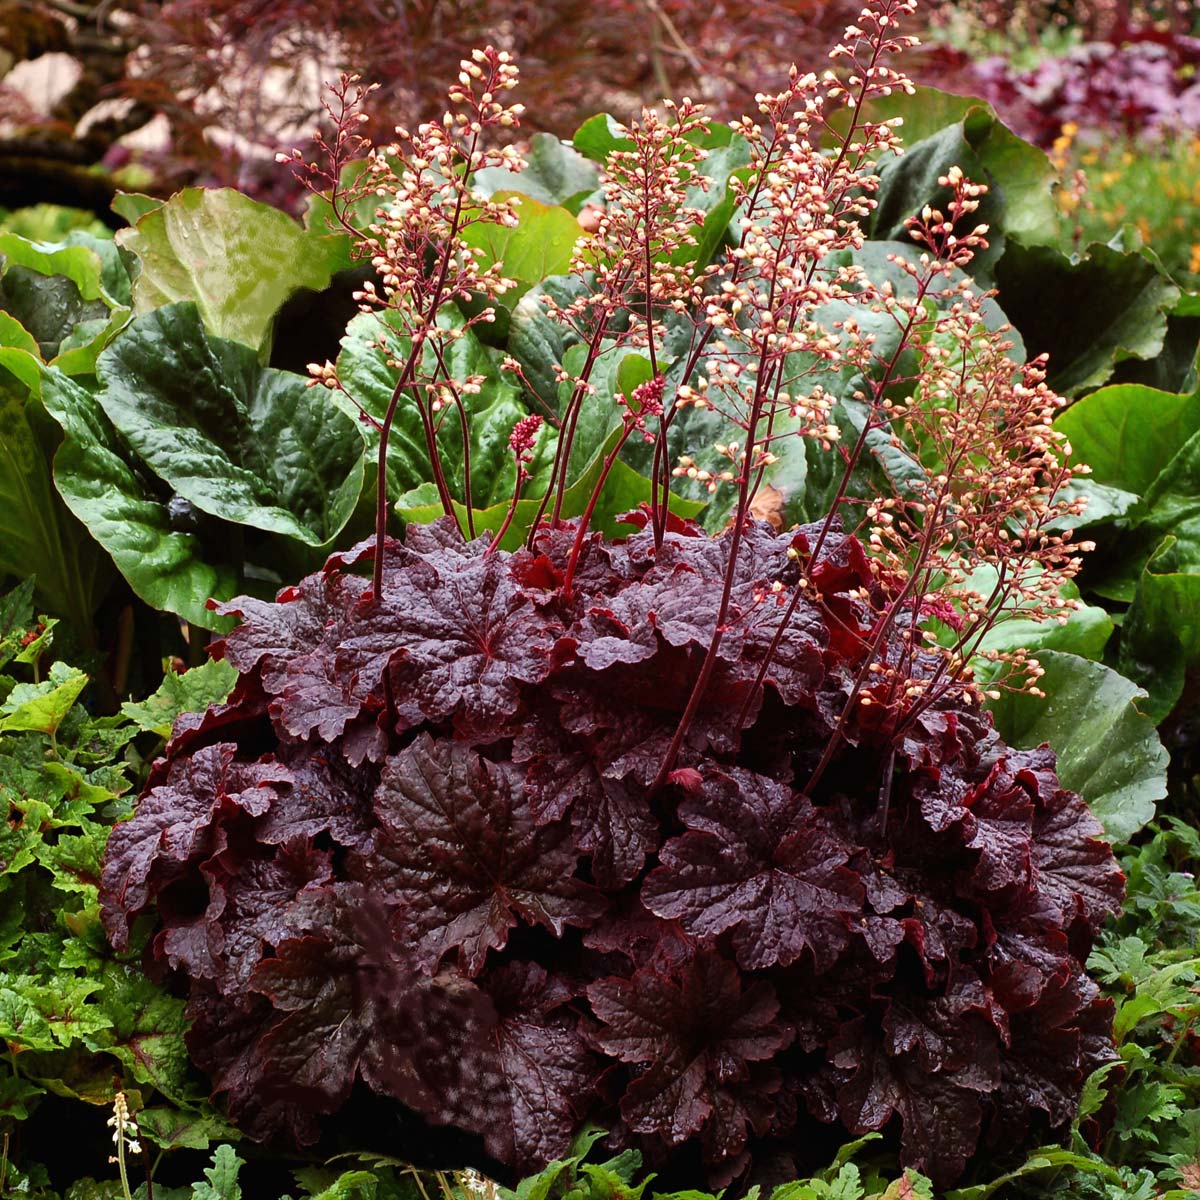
780	431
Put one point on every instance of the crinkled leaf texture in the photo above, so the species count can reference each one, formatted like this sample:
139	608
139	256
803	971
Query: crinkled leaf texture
417	849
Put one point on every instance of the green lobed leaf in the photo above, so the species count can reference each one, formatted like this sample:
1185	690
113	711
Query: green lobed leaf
104	485
251	445
187	691
236	259
41	707
1108	750
222	1177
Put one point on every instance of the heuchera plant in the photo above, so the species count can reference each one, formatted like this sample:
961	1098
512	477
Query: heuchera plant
704	838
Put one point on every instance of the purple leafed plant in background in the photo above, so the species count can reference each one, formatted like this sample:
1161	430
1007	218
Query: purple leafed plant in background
704	838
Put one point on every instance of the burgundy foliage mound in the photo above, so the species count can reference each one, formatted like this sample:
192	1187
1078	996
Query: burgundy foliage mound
420	847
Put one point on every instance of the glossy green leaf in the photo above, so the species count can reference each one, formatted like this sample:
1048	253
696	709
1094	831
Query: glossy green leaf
38	536
364	371
71	297
598	136
1160	636
248	444
105	487
1128	433
1087	313
238	260
942	130
1108	750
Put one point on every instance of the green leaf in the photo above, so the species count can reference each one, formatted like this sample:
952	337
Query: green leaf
144	1032
538	246
238	260
68	295
180	1129
248	444
492	412
1108	750
105	486
41	707
1160	636
15	335
598	136
623	491
16	617
190	691
222	1177
555	174
38	536
1128	433
134	205
942	130
1087	313
1086	631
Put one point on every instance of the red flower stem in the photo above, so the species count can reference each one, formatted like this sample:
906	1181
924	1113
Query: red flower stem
414	356
586	519
512	510
466	439
882	630
838	499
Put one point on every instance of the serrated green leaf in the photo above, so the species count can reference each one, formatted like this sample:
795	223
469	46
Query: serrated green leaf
41	707
222	1177
189	691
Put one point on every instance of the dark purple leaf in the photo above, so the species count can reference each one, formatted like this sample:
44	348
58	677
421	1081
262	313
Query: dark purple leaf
465	857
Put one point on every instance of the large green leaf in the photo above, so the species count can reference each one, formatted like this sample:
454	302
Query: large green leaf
1086	312
941	131
1108	750
1128	433
238	260
555	174
538	246
1160	636
251	445
366	374
38	536
106	488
